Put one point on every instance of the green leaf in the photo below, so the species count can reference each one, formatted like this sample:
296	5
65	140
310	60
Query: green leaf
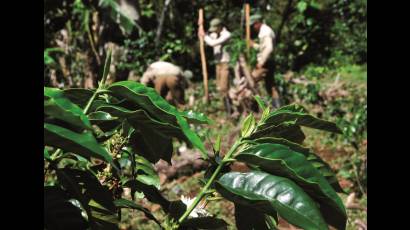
293	108
157	107
48	60
123	203
272	222
272	194
101	116
248	126
91	187
74	190
79	96
94	198
105	121
260	102
315	160
204	223
118	15
83	144
325	169
146	172
151	145
59	212
58	106
218	143
193	138
247	218
281	160
47	155
196	118
265	115
302	119
287	130
103	218
140	118
301	6
176	209
150	192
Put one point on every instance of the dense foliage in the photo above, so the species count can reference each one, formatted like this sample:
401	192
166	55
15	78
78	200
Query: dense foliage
107	139
308	32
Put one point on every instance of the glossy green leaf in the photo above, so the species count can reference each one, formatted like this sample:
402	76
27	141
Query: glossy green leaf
195	117
302	119
101	116
247	218
78	96
315	160
176	209
105	121
124	203
94	198
147	99
272	194
248	126
325	169
103	218
157	107
193	138
59	212
150	192
288	131
204	223
293	108
92	188
81	143
281	160
151	145
140	118
58	106
74	190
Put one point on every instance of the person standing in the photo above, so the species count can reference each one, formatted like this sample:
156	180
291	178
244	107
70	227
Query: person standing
265	67
218	36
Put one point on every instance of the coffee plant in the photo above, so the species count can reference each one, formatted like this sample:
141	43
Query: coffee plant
99	142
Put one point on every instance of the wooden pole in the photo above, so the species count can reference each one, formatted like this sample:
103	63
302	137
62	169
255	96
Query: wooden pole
203	58
248	26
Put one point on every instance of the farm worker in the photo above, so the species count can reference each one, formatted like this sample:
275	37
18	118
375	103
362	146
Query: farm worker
168	80
265	67
218	36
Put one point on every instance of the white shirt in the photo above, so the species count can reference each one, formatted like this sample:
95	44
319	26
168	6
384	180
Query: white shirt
160	68
218	44
266	37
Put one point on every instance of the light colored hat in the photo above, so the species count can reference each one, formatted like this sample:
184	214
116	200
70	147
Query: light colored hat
255	18
215	24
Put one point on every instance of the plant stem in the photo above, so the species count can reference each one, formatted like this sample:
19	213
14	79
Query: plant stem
204	190
101	86
88	106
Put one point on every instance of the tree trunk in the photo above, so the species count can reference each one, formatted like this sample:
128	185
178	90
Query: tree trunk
285	16
161	22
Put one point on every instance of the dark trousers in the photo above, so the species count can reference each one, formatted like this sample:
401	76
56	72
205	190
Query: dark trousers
270	79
